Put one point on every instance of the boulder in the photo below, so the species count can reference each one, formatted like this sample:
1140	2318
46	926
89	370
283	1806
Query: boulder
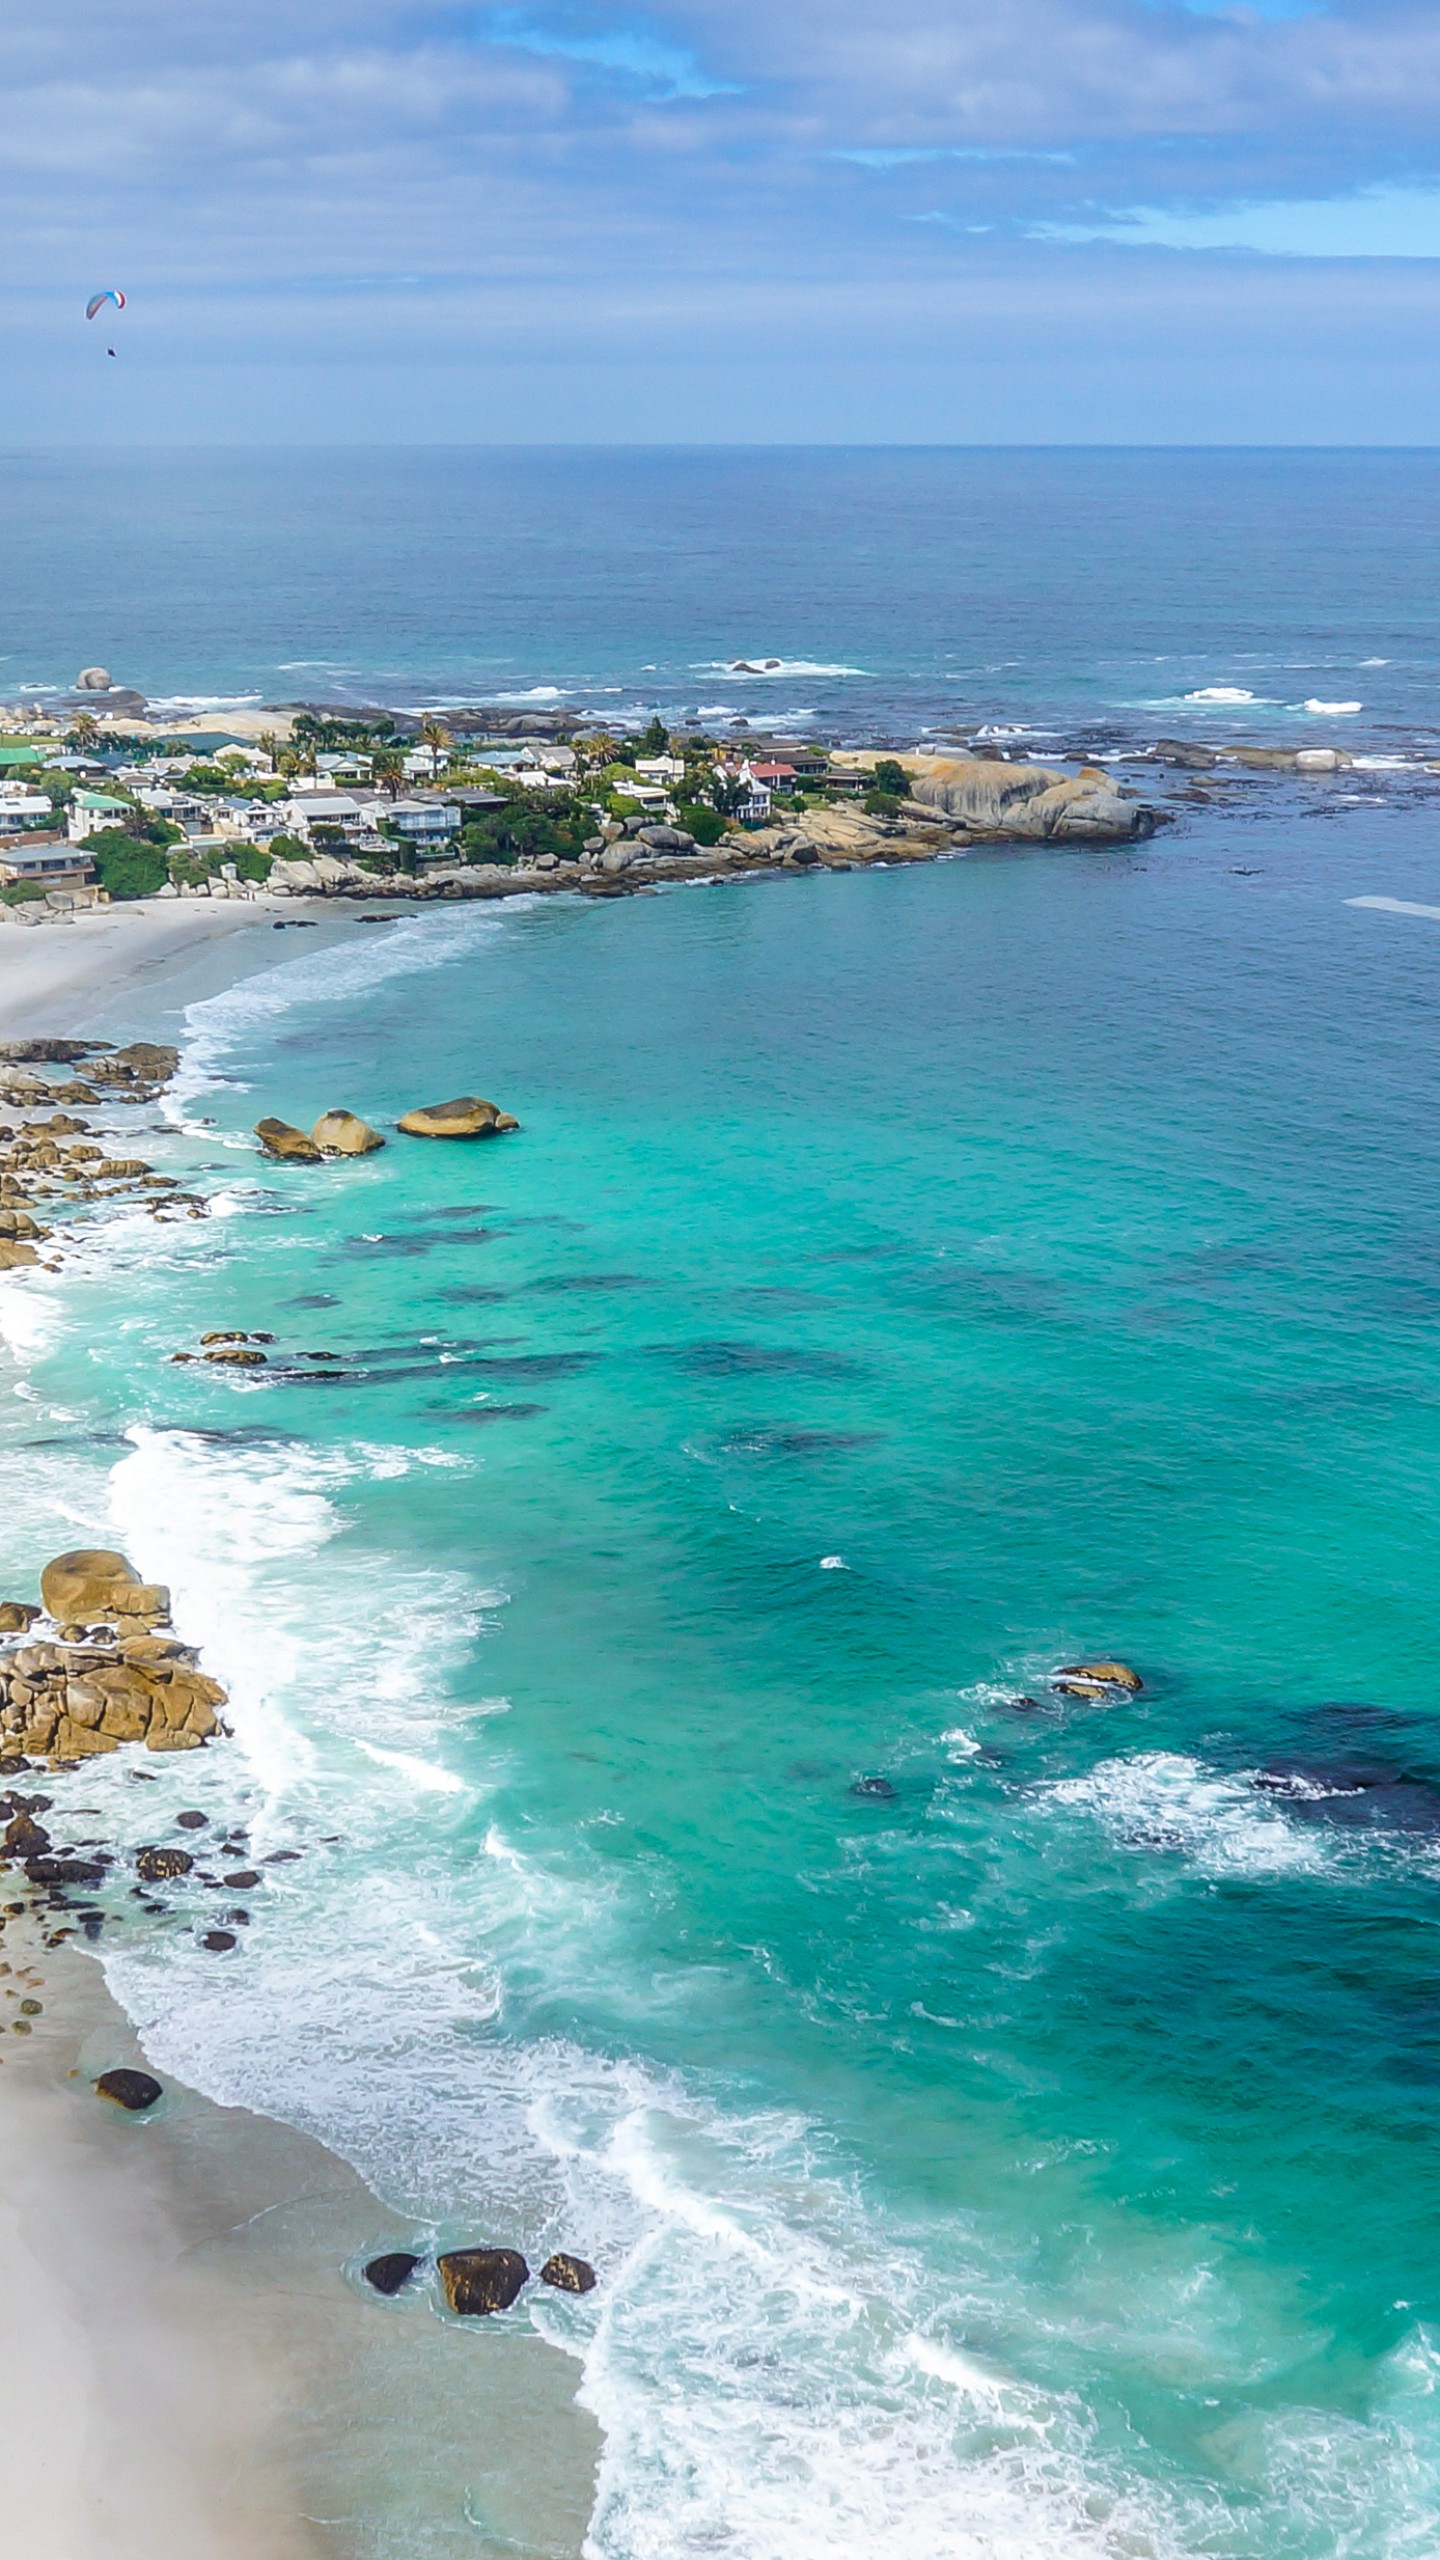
567	2274
467	1117
340	1133
15	1255
280	1138
132	2090
1033	802
16	1616
25	1837
479	2281
96	1582
158	1866
231	1355
1095	1679
218	1941
390	2272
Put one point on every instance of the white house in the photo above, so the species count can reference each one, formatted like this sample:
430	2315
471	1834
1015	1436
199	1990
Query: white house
22	811
663	769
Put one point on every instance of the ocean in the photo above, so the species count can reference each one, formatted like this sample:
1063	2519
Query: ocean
897	593
1003	2125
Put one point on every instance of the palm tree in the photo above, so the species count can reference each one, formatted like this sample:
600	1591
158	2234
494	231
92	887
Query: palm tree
268	743
84	732
387	768
435	736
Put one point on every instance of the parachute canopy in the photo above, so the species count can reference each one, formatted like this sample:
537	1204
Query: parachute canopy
98	301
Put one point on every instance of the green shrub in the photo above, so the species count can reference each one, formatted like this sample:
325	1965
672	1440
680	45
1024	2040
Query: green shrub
705	825
288	849
21	893
881	804
891	776
126	866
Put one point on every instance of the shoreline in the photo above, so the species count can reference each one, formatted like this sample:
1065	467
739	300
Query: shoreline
196	2373
199	2371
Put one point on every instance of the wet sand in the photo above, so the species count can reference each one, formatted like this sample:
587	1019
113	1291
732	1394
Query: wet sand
194	2367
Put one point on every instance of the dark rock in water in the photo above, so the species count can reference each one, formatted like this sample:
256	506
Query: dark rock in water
389	2273
156	1866
479	2281
132	2090
569	2275
1023	1706
93	1924
501	1412
192	1821
219	1941
25	1838
320	1299
242	1880
13	1766
64	1871
1353	1795
281	1858
877	1787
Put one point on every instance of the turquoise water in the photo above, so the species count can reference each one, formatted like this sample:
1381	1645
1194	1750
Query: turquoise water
902	1284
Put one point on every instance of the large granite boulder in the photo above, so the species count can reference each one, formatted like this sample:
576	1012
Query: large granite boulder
479	2281
340	1133
1033	802
97	1582
281	1138
466	1117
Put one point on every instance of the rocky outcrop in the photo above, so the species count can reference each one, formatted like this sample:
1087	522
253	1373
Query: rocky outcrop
132	2090
467	1117
479	2281
1032	802
340	1133
91	1688
1096	1680
569	2275
282	1139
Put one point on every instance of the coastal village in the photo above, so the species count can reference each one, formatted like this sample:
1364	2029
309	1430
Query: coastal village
100	803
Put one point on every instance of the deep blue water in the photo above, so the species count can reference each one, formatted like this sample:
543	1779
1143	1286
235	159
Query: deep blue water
1095	591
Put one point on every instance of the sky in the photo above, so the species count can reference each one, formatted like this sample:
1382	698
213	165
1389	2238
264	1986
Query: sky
773	221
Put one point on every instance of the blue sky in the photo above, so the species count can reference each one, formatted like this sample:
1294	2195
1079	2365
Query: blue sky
940	221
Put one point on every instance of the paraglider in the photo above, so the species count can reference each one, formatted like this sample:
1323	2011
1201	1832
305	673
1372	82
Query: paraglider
98	301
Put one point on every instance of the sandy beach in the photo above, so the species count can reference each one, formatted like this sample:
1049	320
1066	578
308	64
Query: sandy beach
197	2370
56	978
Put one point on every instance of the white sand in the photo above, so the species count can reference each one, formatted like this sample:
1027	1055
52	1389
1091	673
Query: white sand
188	2372
56	977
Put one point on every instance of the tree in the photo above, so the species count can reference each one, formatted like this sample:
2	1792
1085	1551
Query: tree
268	743
891	776
387	768
435	736
126	867
84	732
656	738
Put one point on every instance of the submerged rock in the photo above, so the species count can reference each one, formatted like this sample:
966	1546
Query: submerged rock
132	2090
880	1788
466	1117
219	1941
569	2275
340	1133
390	2272
479	2281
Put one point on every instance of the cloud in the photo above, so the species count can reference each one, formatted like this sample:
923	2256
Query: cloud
307	156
